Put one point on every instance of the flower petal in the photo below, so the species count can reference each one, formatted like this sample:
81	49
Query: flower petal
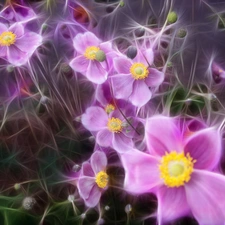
141	172
16	56
122	65
205	147
98	161
206	197
79	64
85	185
3	51
87	170
121	143
104	138
3	28
155	78
172	204
149	55
32	38
162	135
96	73
141	93
94	197
122	85
94	119
17	29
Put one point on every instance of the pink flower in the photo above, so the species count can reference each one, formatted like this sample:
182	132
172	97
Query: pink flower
93	179
135	77
93	57
16	44
109	126
178	168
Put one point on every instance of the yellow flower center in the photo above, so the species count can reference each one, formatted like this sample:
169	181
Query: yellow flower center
176	169
7	38
139	71
109	108
115	125
90	52
102	179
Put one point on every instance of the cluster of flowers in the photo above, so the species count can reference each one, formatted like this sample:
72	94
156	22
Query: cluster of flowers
175	158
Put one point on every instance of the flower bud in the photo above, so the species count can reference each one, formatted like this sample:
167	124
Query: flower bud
131	52
172	17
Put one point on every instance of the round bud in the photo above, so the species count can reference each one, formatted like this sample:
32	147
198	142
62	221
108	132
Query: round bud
128	208
100	56
172	17
44	100
10	69
28	203
122	4
139	32
131	52
76	168
17	186
181	33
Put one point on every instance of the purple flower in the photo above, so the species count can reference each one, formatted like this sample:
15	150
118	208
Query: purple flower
16	44
135	77
178	168
93	179
93	57
110	127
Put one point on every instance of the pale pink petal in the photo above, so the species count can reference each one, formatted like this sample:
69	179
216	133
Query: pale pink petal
104	138
206	197
205	147
121	143
94	119
3	51
17	29
155	77
96	73
33	39
141	93
3	28
141	172
84	185
16	57
80	64
87	170
172	204
122	65
122	85
98	161
149	56
94	197
162	135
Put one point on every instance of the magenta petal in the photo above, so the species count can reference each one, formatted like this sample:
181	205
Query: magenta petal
155	78
79	64
85	185
122	85
16	56
87	170
141	172
104	138
96	73
206	197
94	197
172	204
149	56
33	39
162	135
98	161
141	93
17	29
205	147
3	28
3	51
121	143
122	65
94	119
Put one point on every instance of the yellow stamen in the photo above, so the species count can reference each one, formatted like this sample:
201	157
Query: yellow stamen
102	179
7	38
115	125
90	52
176	168
139	71
109	108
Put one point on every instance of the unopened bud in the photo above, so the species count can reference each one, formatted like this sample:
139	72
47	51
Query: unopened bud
131	52
172	17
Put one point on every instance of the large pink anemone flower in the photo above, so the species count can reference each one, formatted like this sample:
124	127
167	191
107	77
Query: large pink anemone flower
179	167
93	57
16	44
134	78
93	179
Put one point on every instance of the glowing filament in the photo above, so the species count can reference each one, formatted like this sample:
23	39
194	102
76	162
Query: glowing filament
7	38
115	125
176	169
102	179
139	71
